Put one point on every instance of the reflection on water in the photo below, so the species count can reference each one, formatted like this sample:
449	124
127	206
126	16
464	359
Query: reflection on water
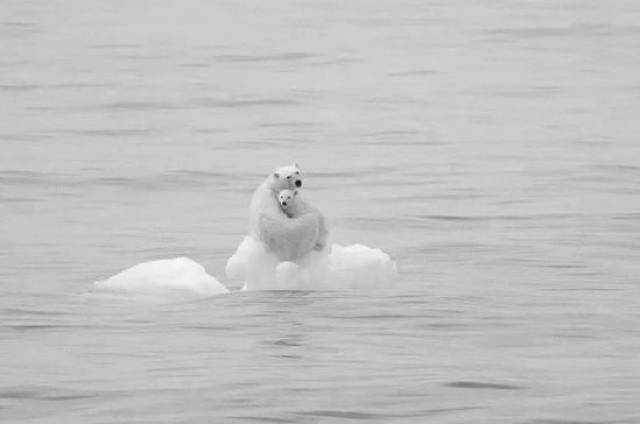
490	148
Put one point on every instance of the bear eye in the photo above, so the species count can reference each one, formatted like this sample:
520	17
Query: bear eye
289	177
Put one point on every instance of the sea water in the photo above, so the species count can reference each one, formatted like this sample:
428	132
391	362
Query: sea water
490	148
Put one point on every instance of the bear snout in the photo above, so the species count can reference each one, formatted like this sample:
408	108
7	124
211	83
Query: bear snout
298	183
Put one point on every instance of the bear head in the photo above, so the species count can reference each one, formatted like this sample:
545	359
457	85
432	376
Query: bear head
287	198
286	178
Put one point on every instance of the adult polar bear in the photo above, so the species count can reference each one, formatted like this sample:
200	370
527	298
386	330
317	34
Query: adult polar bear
279	251
288	238
275	242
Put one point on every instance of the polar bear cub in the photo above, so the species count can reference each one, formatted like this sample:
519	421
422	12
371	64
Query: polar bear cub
294	206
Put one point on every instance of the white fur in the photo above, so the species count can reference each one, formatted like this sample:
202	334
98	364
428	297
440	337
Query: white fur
294	206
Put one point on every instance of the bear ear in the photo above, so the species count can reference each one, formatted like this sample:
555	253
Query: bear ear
297	166
276	175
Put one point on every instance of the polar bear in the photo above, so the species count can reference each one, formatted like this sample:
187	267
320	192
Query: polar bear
294	206
288	238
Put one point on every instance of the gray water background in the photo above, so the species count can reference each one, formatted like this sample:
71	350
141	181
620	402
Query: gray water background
490	147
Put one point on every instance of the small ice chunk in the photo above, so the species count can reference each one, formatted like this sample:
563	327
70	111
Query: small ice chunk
178	277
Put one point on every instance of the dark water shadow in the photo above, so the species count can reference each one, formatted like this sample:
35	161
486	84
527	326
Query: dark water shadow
482	385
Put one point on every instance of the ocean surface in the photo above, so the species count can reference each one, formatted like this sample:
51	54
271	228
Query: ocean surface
491	148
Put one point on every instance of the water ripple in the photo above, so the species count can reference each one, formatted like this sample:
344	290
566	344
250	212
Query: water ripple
278	57
43	393
244	103
482	385
262	418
